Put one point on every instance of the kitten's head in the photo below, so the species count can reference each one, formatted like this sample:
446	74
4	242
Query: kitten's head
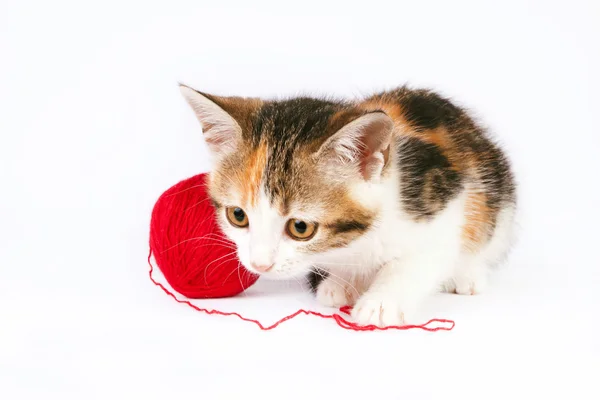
291	179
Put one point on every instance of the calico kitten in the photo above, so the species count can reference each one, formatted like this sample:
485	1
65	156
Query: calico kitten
389	198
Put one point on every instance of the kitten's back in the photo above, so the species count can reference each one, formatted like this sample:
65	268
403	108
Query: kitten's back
442	152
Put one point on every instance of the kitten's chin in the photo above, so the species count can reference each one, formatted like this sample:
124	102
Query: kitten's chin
281	275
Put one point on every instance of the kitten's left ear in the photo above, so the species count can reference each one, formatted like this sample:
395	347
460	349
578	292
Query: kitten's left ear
359	147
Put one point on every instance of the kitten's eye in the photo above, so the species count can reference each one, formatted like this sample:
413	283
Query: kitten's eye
237	217
300	230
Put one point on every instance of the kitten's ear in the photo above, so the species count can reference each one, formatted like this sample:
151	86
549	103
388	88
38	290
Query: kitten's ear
220	118
359	147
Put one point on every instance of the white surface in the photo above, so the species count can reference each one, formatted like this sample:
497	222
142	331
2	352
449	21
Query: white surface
94	129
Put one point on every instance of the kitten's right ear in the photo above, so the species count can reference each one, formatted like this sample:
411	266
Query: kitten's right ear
222	132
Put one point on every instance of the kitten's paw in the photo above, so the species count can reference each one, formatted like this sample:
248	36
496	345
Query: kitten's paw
469	285
470	278
379	310
332	294
448	286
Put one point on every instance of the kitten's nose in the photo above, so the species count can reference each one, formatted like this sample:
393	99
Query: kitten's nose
261	267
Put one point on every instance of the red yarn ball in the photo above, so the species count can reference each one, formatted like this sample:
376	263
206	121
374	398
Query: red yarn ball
195	257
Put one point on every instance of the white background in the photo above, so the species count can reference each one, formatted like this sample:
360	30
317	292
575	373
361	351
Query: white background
93	129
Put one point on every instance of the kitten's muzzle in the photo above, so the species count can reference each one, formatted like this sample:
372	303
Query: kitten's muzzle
262	267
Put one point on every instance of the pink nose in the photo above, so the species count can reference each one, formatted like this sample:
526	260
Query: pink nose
261	268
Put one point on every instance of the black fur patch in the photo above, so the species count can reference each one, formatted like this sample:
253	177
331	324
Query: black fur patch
494	172
315	277
427	110
342	226
496	176
427	181
287	126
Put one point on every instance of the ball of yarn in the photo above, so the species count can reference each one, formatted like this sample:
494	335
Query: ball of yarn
194	256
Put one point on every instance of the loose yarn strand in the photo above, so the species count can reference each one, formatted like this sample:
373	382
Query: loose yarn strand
446	324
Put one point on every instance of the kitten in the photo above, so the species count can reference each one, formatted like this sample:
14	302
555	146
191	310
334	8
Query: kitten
389	198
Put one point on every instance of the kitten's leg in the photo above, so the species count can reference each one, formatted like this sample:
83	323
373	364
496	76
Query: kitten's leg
332	293
341	288
401	286
472	270
470	277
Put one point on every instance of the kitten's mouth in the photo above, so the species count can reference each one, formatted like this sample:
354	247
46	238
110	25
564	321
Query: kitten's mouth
281	273
271	274
254	271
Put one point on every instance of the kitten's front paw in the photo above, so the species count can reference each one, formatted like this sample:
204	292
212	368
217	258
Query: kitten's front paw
380	310
332	294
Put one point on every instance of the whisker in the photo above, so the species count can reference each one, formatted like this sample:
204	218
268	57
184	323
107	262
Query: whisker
341	264
196	204
240	279
231	273
186	189
212	244
299	283
223	262
213	261
205	237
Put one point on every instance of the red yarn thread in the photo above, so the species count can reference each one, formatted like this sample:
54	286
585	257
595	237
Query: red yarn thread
198	261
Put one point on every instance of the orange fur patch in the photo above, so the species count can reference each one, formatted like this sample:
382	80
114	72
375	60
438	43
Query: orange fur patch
252	176
477	225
